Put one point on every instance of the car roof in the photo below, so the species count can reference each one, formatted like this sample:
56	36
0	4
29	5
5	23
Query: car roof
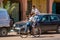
49	15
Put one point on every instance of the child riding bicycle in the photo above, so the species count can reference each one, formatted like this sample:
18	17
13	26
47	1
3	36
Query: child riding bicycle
33	21
31	24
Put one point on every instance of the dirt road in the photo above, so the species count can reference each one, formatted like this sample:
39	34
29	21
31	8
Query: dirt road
14	36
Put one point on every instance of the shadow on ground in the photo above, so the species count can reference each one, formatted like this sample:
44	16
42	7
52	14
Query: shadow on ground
50	33
42	37
11	36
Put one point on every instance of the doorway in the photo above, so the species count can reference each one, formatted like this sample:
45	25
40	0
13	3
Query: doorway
20	12
16	14
57	8
54	8
29	6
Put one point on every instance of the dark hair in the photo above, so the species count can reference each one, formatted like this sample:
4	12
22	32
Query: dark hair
34	6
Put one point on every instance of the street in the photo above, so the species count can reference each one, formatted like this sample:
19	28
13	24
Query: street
49	36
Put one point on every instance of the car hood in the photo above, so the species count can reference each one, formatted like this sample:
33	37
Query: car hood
20	24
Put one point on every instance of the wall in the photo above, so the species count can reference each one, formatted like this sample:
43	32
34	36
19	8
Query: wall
1	1
41	5
56	0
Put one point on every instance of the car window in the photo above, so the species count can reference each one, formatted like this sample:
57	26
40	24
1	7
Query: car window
3	15
45	19
53	18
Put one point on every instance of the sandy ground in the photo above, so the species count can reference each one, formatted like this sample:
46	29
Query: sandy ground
14	36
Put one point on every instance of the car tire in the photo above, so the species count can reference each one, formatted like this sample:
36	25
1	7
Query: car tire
3	32
58	29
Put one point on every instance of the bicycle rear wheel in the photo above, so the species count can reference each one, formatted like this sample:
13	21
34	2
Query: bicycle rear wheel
37	32
23	34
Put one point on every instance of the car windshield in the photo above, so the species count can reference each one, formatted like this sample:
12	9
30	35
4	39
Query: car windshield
3	15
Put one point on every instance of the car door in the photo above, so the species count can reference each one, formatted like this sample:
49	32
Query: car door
46	23
45	19
54	20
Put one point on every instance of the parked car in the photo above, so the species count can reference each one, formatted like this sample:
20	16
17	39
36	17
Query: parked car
18	25
50	23
47	23
5	22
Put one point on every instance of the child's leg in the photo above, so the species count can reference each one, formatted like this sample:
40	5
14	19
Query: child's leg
33	28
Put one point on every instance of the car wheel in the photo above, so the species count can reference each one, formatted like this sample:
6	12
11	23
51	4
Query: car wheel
3	32
58	29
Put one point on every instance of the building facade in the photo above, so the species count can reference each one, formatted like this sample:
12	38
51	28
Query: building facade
44	6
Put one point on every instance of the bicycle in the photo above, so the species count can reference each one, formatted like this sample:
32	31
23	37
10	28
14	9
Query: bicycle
24	34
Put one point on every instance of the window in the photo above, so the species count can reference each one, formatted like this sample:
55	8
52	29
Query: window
45	19
3	15
54	18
